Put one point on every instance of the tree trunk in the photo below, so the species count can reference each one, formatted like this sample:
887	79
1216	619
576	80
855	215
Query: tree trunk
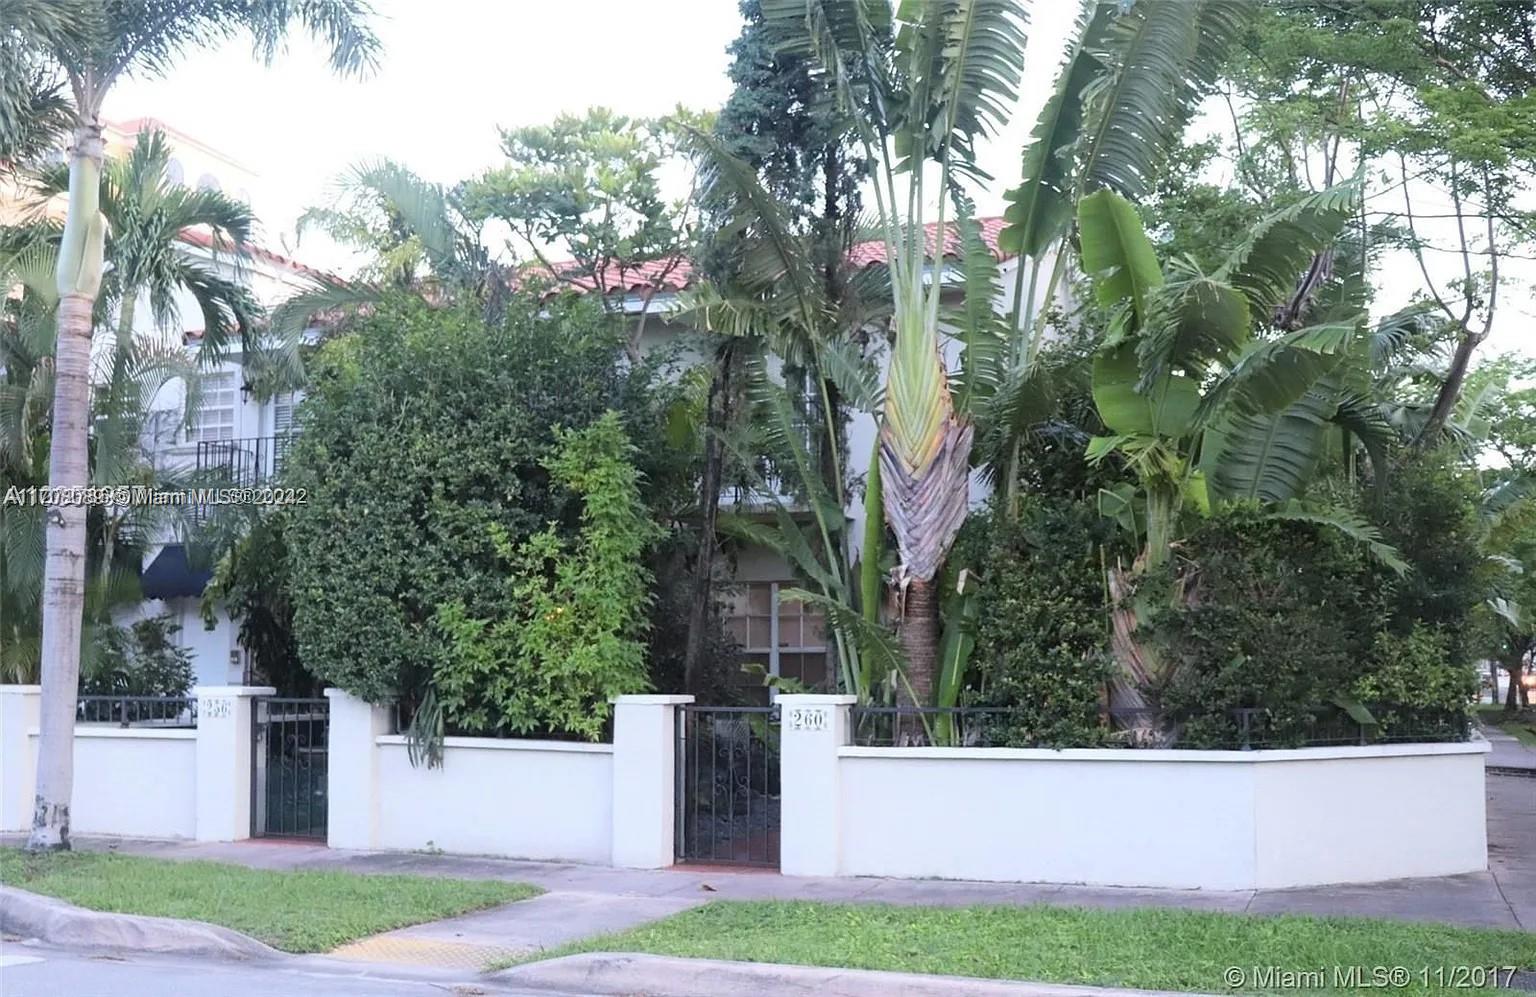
79	281
1450	391
920	642
701	605
1132	675
63	580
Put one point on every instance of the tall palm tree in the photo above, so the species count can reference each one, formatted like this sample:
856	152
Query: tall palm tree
106	43
146	215
125	382
932	78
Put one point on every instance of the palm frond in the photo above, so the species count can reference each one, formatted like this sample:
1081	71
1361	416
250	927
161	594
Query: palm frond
1266	457
1040	209
1158	59
1269	263
983	361
1346	522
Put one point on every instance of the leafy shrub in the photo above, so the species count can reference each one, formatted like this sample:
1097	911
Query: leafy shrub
1415	689
1260	614
576	633
142	659
1043	630
251	582
424	440
1429	513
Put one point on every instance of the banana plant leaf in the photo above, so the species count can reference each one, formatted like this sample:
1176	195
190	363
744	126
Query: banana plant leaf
1168	409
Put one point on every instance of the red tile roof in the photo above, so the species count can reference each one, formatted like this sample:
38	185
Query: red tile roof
203	239
676	274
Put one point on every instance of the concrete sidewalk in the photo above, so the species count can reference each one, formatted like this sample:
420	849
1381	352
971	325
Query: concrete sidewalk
584	899
1507	752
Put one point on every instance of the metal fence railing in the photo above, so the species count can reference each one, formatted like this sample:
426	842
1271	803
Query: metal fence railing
242	463
910	726
1241	729
137	711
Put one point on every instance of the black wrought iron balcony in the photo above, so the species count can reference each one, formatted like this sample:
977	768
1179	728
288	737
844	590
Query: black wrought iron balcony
242	463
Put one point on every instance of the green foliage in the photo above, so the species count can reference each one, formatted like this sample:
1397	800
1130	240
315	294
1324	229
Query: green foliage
576	635
783	119
1265	614
142	659
1414	682
590	184
1429	514
253	584
426	433
1043	630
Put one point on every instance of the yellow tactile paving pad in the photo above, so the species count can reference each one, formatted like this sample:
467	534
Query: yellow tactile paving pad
405	950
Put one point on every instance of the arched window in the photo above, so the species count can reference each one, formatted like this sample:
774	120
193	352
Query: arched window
208	182
175	173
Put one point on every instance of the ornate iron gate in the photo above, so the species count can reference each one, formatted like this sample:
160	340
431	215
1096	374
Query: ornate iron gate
728	785
289	767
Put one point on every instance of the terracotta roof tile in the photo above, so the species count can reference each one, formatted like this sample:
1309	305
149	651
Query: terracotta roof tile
674	274
204	240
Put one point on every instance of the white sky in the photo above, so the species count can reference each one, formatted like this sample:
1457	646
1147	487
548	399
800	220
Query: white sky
455	70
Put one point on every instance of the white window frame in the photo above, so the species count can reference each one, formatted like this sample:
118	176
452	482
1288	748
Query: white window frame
214	385
773	650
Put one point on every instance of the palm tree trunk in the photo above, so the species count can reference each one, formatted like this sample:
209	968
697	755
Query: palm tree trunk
1132	676
920	642
63	580
79	281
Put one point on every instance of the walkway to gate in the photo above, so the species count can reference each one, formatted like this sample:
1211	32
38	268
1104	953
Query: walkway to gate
728	785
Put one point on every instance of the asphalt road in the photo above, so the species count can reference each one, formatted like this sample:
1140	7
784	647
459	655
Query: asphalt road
37	971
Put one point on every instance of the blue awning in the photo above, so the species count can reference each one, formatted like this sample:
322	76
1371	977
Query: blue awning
171	576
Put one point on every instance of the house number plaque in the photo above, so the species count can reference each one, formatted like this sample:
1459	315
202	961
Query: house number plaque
216	708
808	718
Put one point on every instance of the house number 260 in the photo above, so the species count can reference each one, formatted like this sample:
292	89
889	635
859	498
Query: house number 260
807	718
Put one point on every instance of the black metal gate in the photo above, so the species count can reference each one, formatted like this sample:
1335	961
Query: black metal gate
728	785
289	767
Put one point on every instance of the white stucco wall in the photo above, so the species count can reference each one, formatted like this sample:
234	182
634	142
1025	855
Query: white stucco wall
1185	819
522	799
137	782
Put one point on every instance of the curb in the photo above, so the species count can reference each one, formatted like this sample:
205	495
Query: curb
600	973
1516	771
56	922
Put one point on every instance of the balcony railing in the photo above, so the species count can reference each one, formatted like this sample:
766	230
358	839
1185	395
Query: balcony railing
242	463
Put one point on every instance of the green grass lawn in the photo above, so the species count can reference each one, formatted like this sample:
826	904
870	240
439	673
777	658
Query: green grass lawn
1522	725
1155	949
292	911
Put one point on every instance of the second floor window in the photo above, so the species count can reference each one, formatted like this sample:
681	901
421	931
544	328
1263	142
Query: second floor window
215	418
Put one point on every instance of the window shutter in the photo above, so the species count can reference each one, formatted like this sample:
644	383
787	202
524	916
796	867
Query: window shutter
282	414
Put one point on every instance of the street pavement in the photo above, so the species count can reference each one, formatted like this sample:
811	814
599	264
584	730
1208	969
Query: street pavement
40	971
